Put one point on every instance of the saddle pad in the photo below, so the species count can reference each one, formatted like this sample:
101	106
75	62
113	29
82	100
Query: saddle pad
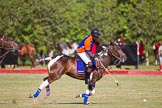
80	67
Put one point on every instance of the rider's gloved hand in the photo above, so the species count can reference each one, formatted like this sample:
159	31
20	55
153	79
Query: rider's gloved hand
91	54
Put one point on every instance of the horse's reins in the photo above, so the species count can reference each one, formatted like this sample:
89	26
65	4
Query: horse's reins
117	58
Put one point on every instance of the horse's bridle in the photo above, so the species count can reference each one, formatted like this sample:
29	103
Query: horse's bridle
118	59
106	50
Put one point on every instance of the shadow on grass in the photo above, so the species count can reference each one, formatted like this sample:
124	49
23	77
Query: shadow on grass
64	103
78	103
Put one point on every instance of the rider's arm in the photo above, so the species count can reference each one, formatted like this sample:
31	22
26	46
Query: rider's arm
48	58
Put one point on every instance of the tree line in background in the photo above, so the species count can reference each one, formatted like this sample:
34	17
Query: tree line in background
48	22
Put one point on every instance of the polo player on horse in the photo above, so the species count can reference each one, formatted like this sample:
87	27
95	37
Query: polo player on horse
87	51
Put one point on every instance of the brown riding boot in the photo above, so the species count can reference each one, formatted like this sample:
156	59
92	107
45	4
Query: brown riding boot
87	74
87	77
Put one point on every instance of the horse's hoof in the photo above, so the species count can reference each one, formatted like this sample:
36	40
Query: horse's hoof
87	103
48	94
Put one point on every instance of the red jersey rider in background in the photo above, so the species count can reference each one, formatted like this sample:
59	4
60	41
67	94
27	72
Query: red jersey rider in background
87	50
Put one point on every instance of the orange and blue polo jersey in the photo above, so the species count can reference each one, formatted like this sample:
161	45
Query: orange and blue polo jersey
87	44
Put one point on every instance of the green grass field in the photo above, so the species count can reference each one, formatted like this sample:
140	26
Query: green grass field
133	92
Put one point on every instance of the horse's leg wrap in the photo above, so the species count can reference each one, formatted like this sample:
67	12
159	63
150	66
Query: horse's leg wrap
85	98
36	94
91	86
44	84
88	72
47	90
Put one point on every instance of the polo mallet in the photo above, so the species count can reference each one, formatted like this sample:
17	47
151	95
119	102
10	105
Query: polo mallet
109	73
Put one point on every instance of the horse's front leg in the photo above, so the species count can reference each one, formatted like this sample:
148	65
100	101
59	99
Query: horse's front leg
46	81
91	88
89	92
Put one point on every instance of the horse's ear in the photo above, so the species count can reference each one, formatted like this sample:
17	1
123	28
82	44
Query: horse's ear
111	43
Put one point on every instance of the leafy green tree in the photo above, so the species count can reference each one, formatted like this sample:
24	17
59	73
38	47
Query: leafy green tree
46	23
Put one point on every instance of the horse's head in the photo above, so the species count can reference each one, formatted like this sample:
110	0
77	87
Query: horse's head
7	44
114	51
117	52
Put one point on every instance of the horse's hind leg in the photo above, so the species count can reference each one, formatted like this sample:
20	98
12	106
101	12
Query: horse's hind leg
47	87
45	83
32	63
23	59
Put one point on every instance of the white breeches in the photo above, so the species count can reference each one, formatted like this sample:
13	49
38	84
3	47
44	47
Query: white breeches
85	57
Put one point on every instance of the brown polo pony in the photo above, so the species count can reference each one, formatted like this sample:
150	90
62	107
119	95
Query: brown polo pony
28	50
64	64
